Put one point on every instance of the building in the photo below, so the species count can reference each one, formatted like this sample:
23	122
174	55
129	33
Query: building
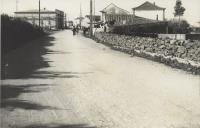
119	16
48	19
150	11
70	24
114	13
96	18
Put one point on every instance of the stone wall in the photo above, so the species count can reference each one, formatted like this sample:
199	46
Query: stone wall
180	54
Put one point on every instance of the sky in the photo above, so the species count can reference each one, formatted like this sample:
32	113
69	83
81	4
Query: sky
72	7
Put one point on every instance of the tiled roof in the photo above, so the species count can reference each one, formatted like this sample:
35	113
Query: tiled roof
114	9
148	6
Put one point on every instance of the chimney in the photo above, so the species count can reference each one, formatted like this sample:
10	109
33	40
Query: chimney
154	3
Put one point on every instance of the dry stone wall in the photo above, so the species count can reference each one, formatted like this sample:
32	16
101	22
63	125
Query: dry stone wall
184	54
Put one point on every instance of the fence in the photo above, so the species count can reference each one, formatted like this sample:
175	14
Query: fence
172	36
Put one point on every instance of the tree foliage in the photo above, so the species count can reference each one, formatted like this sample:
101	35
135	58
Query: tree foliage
16	32
182	26
179	9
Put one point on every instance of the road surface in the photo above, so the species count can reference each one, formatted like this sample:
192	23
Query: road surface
65	81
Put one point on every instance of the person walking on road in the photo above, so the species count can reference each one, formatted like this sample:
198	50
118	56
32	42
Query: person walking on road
74	30
77	29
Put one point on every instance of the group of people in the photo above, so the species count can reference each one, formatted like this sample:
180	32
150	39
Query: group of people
75	30
99	28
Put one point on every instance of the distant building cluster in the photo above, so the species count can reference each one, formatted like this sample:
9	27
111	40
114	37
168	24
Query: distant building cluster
48	19
110	14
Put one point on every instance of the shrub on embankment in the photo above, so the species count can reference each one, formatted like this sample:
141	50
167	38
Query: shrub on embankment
176	53
15	32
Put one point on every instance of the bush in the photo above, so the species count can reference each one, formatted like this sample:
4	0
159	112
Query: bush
16	32
182	27
144	30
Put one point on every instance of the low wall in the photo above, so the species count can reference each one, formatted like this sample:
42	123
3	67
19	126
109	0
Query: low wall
172	36
180	36
175	53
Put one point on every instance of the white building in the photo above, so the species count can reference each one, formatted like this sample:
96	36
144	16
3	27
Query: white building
48	19
114	13
150	11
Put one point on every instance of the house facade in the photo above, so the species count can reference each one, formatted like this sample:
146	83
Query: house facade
150	10
114	13
48	19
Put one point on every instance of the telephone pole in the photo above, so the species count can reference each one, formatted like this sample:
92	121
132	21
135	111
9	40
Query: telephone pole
65	20
17	2
39	13
80	18
94	7
91	19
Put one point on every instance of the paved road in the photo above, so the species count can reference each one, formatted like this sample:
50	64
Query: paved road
65	81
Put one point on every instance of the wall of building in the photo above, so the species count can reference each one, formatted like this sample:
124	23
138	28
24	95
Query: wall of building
59	19
150	14
51	20
47	20
119	19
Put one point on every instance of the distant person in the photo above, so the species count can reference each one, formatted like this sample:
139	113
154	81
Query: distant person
105	28
74	30
84	30
77	29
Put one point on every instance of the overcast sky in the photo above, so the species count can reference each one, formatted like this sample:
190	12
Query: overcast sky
72	7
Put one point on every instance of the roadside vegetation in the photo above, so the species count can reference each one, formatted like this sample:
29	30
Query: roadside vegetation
15	33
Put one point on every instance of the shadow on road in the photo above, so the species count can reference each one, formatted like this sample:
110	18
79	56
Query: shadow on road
10	97
58	126
51	75
23	62
13	91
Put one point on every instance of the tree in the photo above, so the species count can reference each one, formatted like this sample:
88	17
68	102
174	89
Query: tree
179	9
174	26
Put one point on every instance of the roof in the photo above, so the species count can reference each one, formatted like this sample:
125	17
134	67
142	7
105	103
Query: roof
114	9
148	6
36	11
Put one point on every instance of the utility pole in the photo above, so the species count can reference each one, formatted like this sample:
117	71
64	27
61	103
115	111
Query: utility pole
91	19
65	20
94	7
17	2
80	18
39	13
